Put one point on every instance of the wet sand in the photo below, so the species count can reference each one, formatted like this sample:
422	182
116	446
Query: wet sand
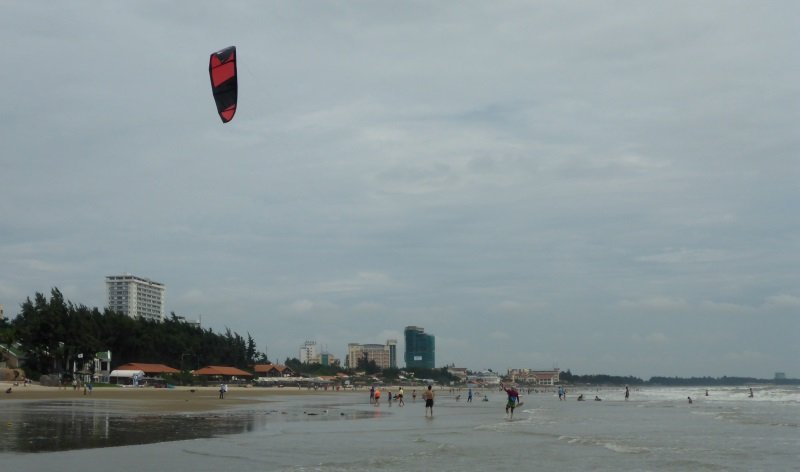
149	399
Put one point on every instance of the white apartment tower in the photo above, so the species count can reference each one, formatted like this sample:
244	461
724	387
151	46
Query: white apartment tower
136	297
308	352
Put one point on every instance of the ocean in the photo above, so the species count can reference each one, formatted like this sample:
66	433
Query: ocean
657	429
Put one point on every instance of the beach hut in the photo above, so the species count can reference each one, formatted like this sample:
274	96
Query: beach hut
273	370
126	377
151	370
222	373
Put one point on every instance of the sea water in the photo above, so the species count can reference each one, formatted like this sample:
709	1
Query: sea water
656	429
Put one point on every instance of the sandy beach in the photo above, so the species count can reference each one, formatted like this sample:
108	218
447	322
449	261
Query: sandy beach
149	399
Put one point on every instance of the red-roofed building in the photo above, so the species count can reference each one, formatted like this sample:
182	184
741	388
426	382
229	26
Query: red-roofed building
149	369
216	372
272	370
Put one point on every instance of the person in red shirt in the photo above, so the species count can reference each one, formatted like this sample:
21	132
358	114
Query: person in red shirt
513	400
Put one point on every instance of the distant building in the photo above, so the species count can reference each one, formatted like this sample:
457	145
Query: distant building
136	297
384	355
2	313
460	372
484	378
272	370
326	359
420	348
780	375
310	355
196	323
308	352
536	377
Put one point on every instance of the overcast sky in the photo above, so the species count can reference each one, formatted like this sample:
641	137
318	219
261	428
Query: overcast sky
609	187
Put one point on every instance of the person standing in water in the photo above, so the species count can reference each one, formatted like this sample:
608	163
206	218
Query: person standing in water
627	393
513	400
428	396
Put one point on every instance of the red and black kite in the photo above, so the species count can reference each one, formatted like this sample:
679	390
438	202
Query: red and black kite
222	69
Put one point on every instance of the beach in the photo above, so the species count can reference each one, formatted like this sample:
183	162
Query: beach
166	400
298	430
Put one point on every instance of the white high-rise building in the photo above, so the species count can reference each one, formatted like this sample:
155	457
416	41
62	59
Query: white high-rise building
308	352
136	297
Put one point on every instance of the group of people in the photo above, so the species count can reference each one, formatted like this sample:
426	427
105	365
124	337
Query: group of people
375	396
427	395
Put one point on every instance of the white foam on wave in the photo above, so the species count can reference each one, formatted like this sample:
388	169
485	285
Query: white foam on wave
621	448
765	393
613	446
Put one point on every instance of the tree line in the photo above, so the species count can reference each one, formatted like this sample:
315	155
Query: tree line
602	379
54	333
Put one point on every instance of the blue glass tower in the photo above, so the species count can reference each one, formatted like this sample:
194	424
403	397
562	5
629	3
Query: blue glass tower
420	348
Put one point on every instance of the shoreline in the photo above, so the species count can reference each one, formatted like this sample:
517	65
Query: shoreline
180	399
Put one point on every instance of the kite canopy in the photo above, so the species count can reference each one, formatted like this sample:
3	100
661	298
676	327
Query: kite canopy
222	70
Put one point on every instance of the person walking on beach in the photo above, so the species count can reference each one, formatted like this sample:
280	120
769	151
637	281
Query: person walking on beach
377	396
221	391
627	393
428	396
372	395
469	395
413	395
400	401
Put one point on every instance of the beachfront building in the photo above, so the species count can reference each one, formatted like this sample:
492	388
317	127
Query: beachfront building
136	297
384	355
535	377
308	352
420	348
126	377
485	378
218	373
102	366
272	370
2	313
150	370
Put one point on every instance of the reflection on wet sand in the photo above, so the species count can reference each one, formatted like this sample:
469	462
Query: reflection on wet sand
66	425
